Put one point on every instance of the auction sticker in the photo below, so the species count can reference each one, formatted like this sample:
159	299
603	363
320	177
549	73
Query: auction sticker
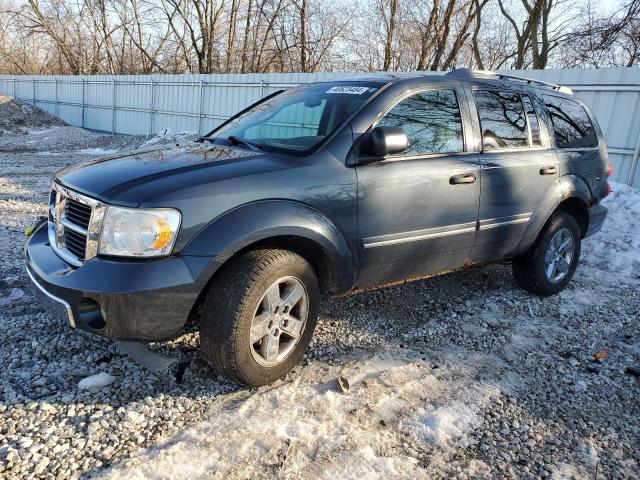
348	89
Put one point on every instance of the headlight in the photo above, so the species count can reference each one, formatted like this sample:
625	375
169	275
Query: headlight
135	232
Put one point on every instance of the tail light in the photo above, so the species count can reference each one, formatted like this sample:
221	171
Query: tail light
609	174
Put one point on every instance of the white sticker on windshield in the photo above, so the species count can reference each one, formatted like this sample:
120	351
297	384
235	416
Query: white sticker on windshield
348	89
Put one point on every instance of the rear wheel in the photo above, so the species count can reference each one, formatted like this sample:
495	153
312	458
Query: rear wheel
260	315
549	265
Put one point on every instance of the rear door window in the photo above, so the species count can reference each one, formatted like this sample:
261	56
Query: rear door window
571	124
502	120
431	120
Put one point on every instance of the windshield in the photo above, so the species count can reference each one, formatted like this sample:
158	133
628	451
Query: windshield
299	119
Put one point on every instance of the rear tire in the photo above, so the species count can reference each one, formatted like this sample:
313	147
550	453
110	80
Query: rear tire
548	266
259	315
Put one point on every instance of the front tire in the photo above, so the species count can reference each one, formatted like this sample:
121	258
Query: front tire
547	267
259	315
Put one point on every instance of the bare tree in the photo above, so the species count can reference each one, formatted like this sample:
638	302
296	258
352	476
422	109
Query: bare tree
390	20
207	36
605	41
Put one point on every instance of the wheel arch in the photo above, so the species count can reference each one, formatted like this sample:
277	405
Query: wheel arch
570	194
576	200
276	224
578	209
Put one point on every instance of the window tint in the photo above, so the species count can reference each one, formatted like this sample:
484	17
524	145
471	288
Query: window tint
534	125
431	120
571	123
502	120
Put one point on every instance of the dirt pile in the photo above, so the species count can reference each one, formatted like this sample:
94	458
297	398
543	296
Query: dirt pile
17	118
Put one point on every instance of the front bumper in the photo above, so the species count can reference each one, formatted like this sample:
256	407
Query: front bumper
597	216
142	300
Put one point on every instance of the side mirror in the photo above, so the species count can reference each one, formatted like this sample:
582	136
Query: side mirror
383	141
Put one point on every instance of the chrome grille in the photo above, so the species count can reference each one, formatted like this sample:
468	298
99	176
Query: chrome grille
74	223
77	213
76	243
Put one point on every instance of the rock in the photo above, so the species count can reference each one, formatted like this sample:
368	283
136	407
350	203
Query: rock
134	417
580	386
96	382
41	466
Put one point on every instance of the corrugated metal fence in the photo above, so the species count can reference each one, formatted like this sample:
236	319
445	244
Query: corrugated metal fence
143	105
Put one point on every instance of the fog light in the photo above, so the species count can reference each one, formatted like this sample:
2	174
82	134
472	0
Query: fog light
91	314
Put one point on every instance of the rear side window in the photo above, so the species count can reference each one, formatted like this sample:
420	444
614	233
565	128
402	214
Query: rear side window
502	120
532	118
571	124
431	120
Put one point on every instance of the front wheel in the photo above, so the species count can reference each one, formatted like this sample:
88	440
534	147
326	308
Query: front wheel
259	315
549	265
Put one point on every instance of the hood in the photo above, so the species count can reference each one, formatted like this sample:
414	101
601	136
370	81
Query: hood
131	177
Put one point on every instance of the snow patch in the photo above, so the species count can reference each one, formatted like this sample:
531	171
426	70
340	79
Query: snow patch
616	248
168	136
96	151
308	429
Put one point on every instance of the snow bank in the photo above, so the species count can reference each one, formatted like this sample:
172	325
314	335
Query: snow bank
616	248
97	151
168	136
309	429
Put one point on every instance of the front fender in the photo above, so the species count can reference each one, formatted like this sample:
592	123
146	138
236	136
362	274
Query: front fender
253	222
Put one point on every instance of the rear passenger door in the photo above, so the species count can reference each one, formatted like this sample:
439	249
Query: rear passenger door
417	210
518	170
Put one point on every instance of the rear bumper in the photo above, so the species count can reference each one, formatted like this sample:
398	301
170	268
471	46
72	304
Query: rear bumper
597	216
144	300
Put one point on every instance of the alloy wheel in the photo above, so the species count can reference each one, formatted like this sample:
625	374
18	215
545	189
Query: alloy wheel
279	321
559	255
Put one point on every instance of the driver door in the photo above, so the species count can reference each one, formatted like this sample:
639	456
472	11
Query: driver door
418	210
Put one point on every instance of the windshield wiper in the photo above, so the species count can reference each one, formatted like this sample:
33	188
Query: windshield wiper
243	143
233	140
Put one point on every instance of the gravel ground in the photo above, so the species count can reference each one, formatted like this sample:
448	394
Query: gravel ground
463	375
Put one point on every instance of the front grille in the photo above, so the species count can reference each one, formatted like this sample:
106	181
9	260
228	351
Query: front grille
77	213
75	242
69	222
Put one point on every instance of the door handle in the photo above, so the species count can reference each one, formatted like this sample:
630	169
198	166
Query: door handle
462	179
548	170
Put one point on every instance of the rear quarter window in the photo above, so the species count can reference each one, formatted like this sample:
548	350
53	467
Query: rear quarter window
571	124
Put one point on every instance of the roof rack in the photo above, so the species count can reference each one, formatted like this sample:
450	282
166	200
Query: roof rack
469	73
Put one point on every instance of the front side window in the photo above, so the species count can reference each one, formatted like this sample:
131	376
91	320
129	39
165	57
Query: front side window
299	119
502	120
571	124
431	120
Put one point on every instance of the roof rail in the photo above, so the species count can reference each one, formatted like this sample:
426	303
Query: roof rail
469	73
